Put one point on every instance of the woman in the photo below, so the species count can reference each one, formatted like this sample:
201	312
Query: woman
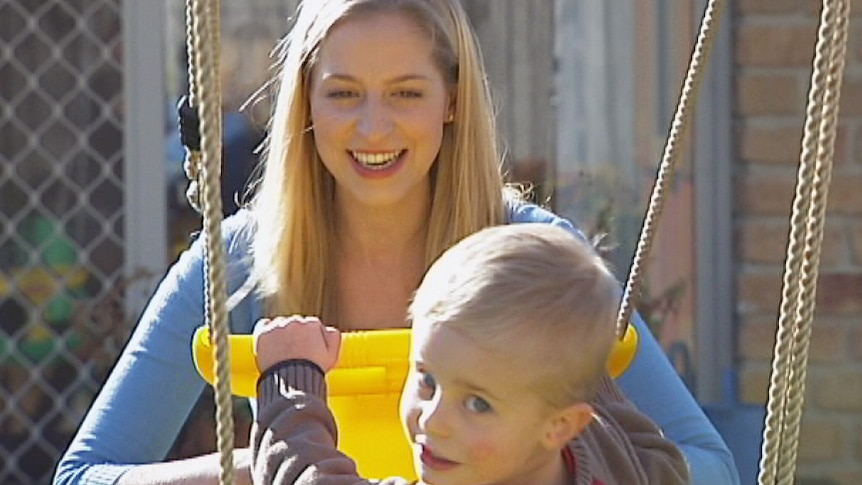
382	154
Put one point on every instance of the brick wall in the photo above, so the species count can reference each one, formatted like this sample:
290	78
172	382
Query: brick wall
774	44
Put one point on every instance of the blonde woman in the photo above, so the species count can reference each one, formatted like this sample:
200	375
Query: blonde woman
381	155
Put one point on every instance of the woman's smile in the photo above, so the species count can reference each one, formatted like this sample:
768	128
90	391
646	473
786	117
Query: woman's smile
378	164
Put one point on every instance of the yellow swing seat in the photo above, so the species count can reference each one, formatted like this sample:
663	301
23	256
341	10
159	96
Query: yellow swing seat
364	390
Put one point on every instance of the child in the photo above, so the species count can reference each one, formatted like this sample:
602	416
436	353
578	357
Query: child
512	328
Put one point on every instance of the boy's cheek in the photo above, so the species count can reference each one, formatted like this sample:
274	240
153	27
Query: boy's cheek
482	449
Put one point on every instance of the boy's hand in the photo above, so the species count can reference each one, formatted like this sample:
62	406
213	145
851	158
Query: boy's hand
296	337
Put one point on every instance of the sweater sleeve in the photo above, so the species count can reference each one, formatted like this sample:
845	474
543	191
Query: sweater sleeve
623	446
294	435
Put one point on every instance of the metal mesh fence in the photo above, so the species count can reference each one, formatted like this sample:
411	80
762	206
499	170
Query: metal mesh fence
62	247
61	211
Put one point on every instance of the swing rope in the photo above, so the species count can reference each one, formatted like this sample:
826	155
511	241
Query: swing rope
681	120
787	382
203	26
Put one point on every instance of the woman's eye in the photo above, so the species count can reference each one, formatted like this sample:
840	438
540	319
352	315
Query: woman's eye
408	94
477	405
341	94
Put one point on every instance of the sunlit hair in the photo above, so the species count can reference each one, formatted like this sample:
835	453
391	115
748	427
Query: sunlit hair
293	208
533	293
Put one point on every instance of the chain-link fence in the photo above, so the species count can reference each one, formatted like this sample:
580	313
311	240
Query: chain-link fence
63	318
61	211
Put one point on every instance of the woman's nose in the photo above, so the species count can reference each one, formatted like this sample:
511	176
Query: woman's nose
375	119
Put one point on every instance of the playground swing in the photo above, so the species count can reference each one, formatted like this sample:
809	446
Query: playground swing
787	382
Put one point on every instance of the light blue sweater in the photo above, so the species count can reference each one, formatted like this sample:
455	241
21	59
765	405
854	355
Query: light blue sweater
151	391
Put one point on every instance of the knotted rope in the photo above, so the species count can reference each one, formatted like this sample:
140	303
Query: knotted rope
787	382
203	41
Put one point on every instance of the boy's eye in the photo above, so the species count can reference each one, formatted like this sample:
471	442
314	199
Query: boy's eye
427	381
477	405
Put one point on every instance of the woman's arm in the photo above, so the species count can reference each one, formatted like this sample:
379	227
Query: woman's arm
199	470
153	387
656	389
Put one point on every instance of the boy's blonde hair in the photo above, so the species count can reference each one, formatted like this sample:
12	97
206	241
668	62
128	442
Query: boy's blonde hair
293	207
533	292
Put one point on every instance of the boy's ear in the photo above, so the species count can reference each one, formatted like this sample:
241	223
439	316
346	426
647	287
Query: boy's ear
566	425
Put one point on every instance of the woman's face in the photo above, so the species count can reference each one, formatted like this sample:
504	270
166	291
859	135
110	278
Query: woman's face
378	106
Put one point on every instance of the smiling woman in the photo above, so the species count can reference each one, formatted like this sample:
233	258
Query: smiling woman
379	101
381	154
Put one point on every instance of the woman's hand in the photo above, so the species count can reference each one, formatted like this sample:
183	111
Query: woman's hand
296	337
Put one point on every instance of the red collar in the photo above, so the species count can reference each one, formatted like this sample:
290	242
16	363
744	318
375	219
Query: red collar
572	464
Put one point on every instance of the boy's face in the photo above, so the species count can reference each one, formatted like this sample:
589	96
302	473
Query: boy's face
471	415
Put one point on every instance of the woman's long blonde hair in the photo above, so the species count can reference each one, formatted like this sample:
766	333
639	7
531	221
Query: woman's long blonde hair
293	207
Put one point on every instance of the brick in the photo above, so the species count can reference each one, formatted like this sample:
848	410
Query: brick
851	96
770	143
856	342
765	242
854	41
765	193
839	293
773	7
856	146
844	144
845	196
858	435
850	476
759	241
829	342
828	473
776	45
753	384
770	94
856	242
758	293
757	339
836	389
821	439
811	476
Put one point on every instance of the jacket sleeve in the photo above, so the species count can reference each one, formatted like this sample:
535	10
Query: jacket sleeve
133	420
623	446
654	387
294	435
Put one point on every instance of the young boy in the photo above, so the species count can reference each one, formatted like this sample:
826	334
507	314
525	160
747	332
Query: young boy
512	328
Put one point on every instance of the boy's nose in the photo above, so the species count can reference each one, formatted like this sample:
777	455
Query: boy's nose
434	418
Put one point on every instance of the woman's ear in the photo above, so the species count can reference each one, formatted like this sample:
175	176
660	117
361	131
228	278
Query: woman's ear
450	107
567	424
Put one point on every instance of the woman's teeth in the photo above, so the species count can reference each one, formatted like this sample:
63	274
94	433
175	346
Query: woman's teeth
376	161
